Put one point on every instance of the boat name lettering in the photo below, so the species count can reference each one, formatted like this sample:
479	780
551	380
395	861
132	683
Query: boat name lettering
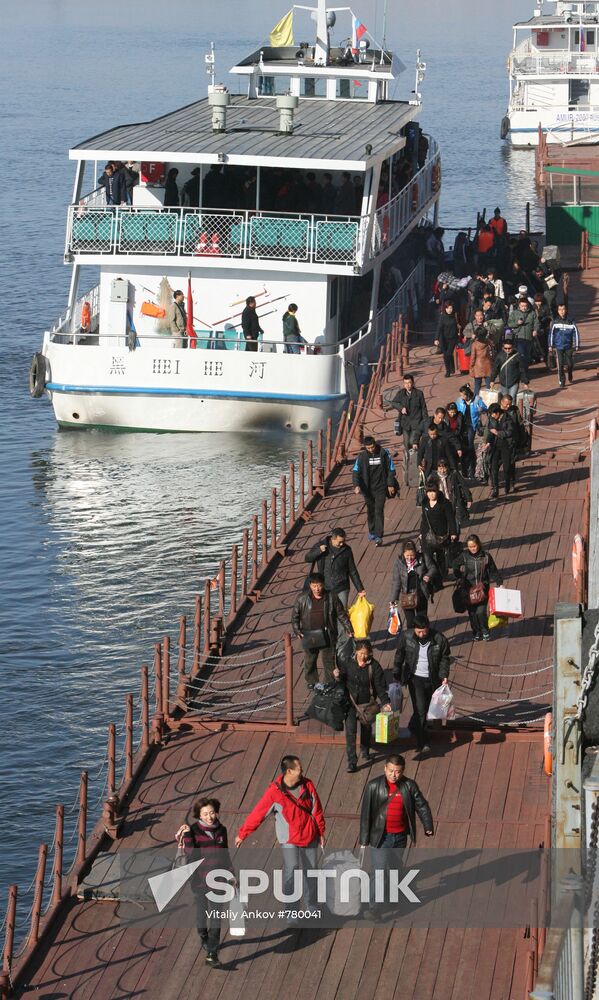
165	366
578	116
213	368
117	366
257	369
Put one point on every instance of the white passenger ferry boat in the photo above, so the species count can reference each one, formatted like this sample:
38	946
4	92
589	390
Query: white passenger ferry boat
261	220
554	75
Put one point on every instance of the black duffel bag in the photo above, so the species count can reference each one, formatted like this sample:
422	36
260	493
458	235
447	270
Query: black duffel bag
329	705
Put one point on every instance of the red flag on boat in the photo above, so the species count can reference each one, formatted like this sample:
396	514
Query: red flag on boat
193	340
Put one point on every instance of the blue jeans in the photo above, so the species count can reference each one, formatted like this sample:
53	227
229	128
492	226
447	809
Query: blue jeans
525	352
291	348
300	859
512	390
478	382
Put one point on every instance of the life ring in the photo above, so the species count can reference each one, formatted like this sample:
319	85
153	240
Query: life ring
436	177
577	557
86	316
547	744
37	375
504	130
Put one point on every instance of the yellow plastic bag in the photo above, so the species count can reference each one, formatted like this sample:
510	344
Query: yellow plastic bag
361	614
496	622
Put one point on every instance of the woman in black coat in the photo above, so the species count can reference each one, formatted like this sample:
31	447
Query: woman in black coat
438	526
447	336
471	569
414	579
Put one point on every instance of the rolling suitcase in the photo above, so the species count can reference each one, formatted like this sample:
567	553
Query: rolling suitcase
462	361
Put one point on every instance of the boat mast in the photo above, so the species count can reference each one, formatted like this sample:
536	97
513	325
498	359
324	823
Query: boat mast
321	52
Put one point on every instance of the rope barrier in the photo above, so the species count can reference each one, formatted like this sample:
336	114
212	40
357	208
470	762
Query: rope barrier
213	661
198	683
500	701
236	713
486	722
526	663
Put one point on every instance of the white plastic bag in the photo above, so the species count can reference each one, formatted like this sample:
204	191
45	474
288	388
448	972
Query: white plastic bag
236	916
441	706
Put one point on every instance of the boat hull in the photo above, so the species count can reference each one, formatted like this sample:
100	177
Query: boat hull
559	124
171	389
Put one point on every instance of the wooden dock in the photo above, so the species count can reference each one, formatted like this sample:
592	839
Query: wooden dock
484	779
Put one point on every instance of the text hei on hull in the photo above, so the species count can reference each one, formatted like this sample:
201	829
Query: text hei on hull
310	189
554	75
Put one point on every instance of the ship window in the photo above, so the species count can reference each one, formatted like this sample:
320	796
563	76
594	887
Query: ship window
590	35
315	86
333	297
579	92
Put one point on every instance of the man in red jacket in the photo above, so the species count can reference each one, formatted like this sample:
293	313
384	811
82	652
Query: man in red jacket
299	823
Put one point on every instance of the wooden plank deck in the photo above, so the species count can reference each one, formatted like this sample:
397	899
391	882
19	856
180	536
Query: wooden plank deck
486	789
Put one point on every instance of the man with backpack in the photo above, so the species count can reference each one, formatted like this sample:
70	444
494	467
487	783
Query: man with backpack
299	825
508	370
564	339
374	477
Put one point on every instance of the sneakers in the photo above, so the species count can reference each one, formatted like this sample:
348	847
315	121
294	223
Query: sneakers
562	385
377	541
425	749
371	537
213	960
477	637
486	636
352	768
366	755
494	494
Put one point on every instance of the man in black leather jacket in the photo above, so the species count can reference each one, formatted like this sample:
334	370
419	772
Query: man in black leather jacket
335	560
316	619
390	804
421	662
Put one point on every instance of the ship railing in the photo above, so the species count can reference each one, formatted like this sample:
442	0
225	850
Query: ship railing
392	219
567	63
377	328
72	321
212	233
211	340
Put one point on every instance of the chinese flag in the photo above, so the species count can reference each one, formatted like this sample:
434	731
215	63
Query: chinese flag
193	340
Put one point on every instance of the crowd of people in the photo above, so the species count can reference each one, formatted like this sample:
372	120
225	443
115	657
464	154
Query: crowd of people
464	441
501	292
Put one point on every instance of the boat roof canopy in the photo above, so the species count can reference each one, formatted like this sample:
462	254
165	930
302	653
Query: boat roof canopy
553	21
350	135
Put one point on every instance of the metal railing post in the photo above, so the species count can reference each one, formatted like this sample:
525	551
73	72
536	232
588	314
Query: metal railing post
58	853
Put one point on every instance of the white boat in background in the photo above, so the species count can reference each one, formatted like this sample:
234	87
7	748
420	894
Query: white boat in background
554	75
111	361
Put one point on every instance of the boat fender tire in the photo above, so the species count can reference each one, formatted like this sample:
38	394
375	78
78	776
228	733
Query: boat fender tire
37	375
504	131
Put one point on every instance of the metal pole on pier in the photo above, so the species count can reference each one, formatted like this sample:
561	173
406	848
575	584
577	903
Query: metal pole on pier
288	681
82	825
58	850
145	709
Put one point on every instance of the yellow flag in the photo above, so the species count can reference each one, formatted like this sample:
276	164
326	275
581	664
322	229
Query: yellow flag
282	33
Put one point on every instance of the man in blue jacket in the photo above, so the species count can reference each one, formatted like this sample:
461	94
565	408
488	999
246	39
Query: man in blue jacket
564	340
374	477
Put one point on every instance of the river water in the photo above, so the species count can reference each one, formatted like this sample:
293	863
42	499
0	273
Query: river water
105	537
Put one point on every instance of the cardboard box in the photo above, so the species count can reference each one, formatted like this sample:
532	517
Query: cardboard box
505	603
386	728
